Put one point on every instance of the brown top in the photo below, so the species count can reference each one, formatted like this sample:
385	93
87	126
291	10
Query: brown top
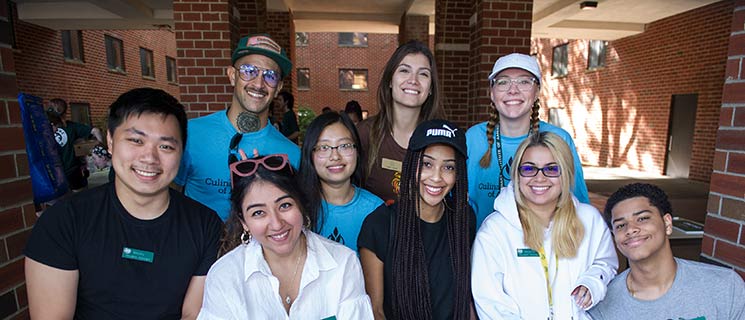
383	180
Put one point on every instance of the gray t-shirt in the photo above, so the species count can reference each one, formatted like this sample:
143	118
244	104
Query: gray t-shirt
700	291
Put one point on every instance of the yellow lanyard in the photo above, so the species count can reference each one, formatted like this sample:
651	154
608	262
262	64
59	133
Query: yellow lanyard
544	263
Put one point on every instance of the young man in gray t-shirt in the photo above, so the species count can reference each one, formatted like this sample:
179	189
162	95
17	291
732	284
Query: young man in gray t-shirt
657	285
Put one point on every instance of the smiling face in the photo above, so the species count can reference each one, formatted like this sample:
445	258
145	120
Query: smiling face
513	104
639	230
145	154
254	95
437	175
541	193
336	169
273	218
411	81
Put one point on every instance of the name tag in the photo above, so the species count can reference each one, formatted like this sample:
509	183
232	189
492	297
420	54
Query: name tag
527	252
391	164
136	254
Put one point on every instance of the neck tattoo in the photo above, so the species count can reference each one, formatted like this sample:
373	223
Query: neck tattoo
288	300
248	122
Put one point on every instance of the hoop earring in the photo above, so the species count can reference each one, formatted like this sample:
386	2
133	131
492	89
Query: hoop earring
307	222
246	237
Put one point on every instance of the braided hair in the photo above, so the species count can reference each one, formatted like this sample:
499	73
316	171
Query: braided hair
411	292
485	161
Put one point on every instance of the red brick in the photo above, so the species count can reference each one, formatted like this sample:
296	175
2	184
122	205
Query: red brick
733	208
734	92
742	236
22	297
732	254
11	275
736	45
707	245
725	117
736	163
718	227
3	252
14	111
15	192
731	139
741	273
11	139
7	60
7	166
22	163
8	86
738	21
739	117
11	220
712	205
727	184
733	69
16	243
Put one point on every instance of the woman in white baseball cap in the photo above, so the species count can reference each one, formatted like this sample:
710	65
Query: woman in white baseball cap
515	83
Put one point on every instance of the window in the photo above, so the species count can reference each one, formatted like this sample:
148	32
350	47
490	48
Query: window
353	79
596	55
559	65
146	63
301	39
72	45
80	112
171	69
303	79
352	39
114	54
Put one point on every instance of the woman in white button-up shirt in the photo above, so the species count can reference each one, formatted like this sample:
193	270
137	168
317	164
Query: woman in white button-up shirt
275	268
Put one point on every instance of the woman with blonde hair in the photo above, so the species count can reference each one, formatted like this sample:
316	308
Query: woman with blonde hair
514	87
408	95
542	254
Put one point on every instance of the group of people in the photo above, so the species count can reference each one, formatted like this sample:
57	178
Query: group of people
401	216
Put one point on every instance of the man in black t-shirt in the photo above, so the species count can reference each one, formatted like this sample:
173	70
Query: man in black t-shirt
133	248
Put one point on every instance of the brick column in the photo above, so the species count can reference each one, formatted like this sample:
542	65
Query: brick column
253	16
469	37
452	54
17	214
724	233
281	27
413	27
205	36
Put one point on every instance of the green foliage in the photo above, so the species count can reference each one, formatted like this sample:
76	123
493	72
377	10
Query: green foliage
304	117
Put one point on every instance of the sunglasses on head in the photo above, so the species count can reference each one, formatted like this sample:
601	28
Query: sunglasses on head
248	72
233	149
247	167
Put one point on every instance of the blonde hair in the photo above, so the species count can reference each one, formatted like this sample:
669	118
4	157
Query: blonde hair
568	231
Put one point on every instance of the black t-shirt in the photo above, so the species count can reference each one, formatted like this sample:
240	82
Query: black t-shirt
375	236
92	232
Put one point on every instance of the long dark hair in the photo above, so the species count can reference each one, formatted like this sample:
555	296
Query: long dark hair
411	292
308	177
283	179
383	121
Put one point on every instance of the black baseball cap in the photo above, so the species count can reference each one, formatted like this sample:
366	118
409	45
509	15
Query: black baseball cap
438	131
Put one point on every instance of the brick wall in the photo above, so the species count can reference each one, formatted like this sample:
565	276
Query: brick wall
16	208
452	55
205	37
724	233
619	114
281	27
324	65
42	69
413	27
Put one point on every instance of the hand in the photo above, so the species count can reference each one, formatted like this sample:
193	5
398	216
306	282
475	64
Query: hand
243	155
582	297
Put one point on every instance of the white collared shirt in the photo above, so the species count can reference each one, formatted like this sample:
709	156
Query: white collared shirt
240	285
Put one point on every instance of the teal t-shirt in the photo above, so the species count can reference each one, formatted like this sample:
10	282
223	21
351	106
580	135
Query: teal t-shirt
343	223
204	170
483	183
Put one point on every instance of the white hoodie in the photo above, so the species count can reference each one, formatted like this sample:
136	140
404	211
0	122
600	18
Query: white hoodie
508	285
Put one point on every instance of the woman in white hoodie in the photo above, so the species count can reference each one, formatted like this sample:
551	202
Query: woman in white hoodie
542	254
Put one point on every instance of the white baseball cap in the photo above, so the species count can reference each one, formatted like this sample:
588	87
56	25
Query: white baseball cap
517	60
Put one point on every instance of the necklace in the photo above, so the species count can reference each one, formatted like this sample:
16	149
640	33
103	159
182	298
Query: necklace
288	301
502	182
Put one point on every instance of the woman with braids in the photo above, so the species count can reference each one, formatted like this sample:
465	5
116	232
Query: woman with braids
331	173
272	267
515	83
408	94
416	257
542	254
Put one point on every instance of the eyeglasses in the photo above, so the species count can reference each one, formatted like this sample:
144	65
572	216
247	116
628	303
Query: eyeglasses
550	171
504	84
324	151
248	72
247	167
233	151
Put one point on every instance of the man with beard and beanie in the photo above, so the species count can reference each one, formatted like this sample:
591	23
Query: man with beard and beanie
258	66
